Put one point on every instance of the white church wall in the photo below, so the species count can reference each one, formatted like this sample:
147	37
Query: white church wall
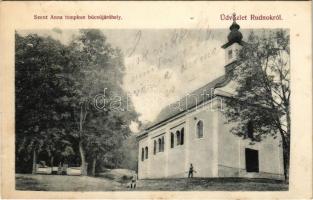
270	158
157	165
176	162
157	162
143	165
201	150
228	151
170	162
231	53
177	155
218	154
231	157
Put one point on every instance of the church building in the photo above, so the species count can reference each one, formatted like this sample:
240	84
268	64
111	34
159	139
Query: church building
193	131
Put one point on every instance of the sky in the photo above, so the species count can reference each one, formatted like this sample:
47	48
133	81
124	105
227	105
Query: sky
162	65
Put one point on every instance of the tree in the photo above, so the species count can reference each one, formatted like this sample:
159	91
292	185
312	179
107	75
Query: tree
104	138
41	106
57	86
262	95
129	150
98	69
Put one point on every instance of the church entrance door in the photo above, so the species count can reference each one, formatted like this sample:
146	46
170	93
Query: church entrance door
252	160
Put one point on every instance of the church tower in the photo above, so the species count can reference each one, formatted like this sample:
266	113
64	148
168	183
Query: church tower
233	45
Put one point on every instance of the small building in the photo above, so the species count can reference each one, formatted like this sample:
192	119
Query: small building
193	131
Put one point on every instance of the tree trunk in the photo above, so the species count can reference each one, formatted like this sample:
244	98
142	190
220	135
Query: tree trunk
83	159
51	161
286	153
81	148
34	162
93	167
285	137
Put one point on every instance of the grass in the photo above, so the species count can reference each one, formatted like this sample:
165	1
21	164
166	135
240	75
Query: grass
213	184
80	183
64	183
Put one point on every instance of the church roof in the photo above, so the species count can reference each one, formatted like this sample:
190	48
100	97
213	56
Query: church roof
189	101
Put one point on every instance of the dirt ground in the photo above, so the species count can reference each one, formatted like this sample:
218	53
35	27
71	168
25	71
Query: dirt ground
86	183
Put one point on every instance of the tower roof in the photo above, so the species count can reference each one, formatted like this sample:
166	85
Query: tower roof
235	35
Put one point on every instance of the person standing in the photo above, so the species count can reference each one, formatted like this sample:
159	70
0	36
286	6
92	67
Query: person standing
191	170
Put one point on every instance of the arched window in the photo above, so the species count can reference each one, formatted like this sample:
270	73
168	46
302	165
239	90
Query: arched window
200	129
177	138
162	143
146	149
250	130
182	135
154	147
172	140
142	154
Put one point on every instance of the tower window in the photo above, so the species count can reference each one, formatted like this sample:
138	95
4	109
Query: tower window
250	130
230	54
